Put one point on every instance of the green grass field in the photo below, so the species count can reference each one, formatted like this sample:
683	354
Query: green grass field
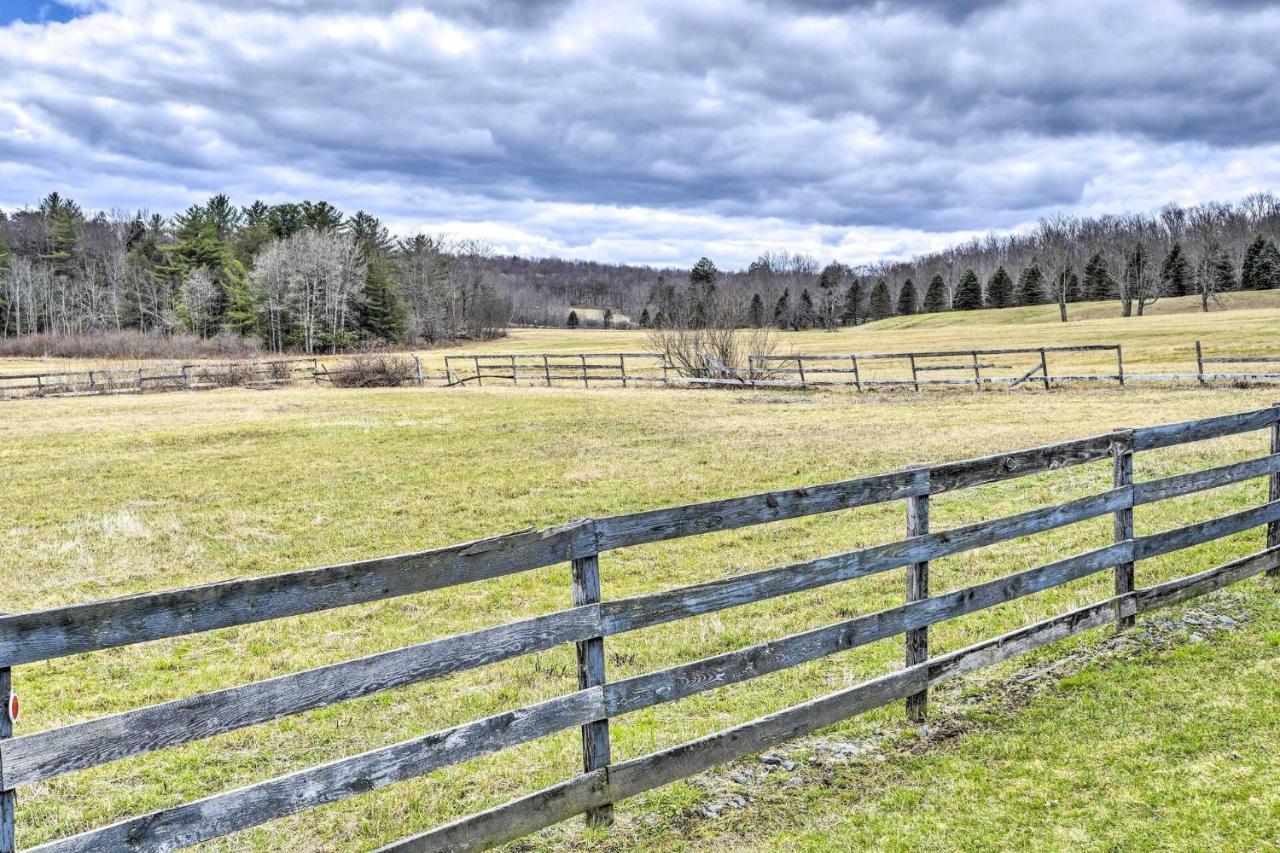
1144	745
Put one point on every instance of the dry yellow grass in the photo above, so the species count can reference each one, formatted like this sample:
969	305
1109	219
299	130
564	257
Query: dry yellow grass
112	496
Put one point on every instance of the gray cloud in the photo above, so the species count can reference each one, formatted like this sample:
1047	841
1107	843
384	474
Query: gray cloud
926	117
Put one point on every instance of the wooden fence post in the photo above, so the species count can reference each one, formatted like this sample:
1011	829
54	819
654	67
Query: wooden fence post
1120	364
417	370
515	378
1199	363
584	371
8	799
479	378
1122	475
977	372
1273	493
1044	369
546	368
595	735
622	368
800	365
857	377
917	640
914	377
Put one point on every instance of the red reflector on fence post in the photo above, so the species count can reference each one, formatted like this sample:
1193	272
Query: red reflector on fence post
13	708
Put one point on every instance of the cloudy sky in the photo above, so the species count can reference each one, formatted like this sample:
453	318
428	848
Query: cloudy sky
649	132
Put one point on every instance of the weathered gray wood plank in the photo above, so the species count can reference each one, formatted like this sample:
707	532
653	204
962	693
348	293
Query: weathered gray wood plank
45	634
1018	463
252	805
1122	522
916	641
595	734
1155	544
42	755
654	609
1150	438
1199	481
677	682
673	522
1193	586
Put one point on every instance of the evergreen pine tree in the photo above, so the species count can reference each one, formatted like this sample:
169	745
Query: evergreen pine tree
806	316
881	302
782	310
851	299
968	292
1223	272
1175	273
1071	286
608	318
936	297
1267	269
703	275
1000	289
1099	284
383	315
907	298
645	320
755	314
1249	279
573	322
1031	286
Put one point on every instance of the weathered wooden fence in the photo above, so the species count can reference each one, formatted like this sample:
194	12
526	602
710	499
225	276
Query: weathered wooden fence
938	367
134	380
1263	375
36	636
601	368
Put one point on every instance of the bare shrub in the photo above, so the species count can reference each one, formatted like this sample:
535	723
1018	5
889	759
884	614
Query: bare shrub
130	344
375	368
713	352
231	375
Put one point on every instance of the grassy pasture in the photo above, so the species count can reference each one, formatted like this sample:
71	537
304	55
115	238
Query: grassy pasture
1162	342
109	496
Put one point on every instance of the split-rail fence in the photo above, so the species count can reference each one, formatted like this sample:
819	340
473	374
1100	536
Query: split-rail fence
25	638
159	377
976	368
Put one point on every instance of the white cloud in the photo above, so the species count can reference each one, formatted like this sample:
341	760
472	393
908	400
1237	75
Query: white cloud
650	132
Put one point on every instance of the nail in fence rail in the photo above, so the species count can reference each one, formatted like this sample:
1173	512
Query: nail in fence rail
30	637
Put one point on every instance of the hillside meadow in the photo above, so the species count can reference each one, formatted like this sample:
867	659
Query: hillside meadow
1161	342
111	496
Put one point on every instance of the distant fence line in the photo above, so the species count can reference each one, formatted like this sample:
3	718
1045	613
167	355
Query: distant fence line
978	368
164	377
1009	367
31	637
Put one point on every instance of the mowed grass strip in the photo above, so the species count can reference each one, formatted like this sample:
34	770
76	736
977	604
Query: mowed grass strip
113	496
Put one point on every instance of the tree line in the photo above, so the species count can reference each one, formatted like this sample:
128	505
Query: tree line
299	276
1131	259
305	276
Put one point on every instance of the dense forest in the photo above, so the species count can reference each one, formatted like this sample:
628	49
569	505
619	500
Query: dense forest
304	276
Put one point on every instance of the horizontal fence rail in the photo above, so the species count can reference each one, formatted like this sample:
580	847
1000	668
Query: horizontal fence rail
1009	367
26	638
163	377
